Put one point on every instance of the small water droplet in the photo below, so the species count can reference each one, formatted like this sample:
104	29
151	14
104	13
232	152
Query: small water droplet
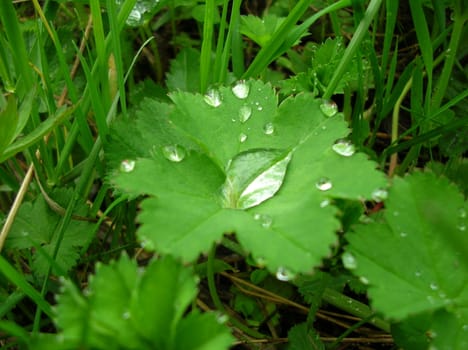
465	327
344	148
462	227
462	213
174	153
127	166
242	137
245	112
241	89
260	261
434	286
324	184
265	220
222	318
403	234
364	280
324	203
349	261
126	315
24	233
379	195
396	213
213	98
268	128
329	108
418	274
284	274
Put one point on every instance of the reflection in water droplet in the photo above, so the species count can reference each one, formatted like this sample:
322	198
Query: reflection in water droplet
174	153
329	108
127	166
265	220
324	184
349	261
379	195
242	137
213	98
241	89
344	148
268	128
284	274
245	112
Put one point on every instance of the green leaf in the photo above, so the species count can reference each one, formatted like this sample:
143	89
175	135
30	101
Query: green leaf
302	337
34	227
415	257
233	161
8	120
184	73
259	29
125	307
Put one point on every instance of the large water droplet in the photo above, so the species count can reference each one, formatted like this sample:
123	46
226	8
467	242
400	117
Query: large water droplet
245	112
379	195
242	137
324	184
175	153
329	108
265	220
284	274
127	166
269	128
349	261
213	98
241	90
344	148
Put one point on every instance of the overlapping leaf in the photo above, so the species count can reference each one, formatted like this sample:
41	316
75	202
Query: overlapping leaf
233	161
416	257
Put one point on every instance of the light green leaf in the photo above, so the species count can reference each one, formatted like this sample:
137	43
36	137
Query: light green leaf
8	122
415	258
184	73
234	162
259	29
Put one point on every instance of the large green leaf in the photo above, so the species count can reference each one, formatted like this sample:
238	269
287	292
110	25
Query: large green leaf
234	162
125	307
415	257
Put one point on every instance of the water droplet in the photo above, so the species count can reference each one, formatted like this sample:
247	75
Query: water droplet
245	112
241	89
324	203
265	220
284	274
260	261
418	274
344	148
329	108
465	327
268	128
462	227
324	184
242	137
349	261
462	213
434	286
396	213
364	280
222	318
127	166
126	315
403	234
259	108
174	153
379	195
24	233
213	98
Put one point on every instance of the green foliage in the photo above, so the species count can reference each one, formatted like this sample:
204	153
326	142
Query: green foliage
35	227
127	307
280	165
414	257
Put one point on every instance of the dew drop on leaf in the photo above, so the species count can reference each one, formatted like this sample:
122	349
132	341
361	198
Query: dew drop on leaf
403	234
127	166
268	128
241	90
245	112
329	108
434	286
344	148
242	137
349	261
324	203
462	213
265	220
418	274
222	318
283	274
126	315
174	153
364	280
213	98
379	195
462	227
324	184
